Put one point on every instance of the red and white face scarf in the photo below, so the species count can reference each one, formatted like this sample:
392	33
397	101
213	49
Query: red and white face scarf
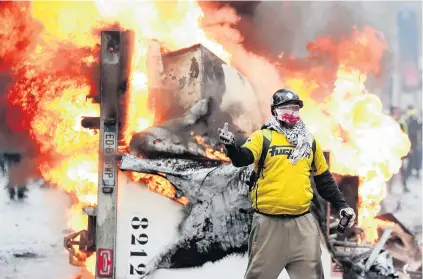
288	114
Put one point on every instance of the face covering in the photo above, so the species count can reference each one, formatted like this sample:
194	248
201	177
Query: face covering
289	115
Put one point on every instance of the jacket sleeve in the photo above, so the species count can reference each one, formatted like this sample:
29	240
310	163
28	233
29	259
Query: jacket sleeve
327	188
248	153
240	156
325	184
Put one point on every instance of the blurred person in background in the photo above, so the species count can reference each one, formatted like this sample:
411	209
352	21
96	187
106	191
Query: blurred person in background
20	171
396	115
415	135
17	178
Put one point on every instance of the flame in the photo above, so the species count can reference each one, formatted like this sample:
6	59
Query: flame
210	152
51	48
161	185
90	263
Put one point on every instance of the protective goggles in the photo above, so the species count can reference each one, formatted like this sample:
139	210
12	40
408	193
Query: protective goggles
287	109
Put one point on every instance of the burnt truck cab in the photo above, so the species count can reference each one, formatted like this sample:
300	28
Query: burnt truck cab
133	230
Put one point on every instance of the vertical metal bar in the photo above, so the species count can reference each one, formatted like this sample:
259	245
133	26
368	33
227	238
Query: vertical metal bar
328	205
107	180
376	250
126	50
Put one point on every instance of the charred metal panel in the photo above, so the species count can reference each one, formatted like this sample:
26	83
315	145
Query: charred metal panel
181	86
196	73
174	138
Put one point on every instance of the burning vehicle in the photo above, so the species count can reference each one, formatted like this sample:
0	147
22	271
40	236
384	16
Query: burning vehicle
180	157
153	118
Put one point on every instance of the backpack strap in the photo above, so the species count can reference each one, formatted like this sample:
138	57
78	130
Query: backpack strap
313	149
267	139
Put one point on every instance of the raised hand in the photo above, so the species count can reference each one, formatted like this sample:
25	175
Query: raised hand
225	136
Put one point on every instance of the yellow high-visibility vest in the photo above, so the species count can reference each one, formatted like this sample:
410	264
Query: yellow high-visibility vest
405	126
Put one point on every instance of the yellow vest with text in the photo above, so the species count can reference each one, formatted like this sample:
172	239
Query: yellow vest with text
283	188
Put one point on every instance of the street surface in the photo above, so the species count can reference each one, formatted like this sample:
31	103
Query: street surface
31	235
32	231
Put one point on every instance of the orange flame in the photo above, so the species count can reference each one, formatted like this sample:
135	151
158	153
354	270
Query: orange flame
210	152
161	185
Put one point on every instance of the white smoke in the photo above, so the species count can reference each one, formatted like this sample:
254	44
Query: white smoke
240	92
252	98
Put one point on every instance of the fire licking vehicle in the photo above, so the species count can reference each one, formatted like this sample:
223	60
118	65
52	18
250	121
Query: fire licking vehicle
143	106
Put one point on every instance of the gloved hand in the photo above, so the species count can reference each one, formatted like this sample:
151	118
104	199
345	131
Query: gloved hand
225	136
350	211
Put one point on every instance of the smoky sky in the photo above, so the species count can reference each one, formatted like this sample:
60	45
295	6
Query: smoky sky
272	27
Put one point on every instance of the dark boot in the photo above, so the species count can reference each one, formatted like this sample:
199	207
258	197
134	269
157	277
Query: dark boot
12	192
21	192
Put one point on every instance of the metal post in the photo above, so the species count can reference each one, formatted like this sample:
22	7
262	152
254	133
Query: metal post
376	250
110	80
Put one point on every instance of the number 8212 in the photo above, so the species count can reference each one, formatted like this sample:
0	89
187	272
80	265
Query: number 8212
138	239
